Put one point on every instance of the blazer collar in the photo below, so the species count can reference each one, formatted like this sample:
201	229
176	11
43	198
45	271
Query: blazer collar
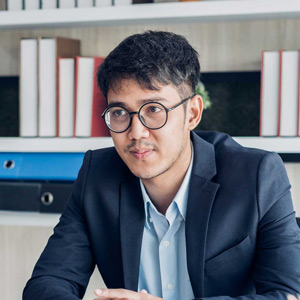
201	197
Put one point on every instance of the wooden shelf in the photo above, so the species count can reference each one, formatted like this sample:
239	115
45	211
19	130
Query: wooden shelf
18	144
11	144
151	13
22	218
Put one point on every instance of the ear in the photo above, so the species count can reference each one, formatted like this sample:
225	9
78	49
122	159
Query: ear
194	113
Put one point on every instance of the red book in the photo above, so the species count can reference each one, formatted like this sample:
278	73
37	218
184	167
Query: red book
99	127
89	100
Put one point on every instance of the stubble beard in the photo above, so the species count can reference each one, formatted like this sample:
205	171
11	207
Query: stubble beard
166	168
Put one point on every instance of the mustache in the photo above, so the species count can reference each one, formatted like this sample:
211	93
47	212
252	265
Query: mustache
140	144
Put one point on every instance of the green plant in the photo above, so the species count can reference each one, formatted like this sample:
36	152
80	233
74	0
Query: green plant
200	90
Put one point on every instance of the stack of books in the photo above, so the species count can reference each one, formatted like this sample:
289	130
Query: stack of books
280	94
15	5
40	182
59	96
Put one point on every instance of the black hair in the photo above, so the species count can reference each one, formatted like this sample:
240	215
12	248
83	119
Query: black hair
152	58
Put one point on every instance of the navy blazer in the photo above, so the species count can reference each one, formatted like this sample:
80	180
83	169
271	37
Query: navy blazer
241	234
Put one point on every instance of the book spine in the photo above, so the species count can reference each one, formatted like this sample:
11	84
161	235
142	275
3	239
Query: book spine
261	93
298	97
279	92
40	166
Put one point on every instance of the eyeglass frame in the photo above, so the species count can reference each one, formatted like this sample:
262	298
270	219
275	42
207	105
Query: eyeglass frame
139	116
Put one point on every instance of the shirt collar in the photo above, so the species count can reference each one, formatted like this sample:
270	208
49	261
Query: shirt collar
181	197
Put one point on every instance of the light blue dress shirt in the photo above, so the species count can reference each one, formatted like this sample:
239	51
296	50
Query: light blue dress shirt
163	264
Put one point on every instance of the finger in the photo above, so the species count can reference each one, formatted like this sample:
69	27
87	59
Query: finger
116	293
143	291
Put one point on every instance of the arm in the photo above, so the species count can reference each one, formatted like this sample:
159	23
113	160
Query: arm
66	264
276	271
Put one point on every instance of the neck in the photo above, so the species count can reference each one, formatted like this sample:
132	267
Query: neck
163	188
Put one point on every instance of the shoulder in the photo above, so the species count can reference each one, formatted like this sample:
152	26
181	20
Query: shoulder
243	163
226	147
104	164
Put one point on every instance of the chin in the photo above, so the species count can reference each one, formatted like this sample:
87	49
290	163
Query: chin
142	174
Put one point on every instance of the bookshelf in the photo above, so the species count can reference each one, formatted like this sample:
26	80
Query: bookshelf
228	35
12	144
152	13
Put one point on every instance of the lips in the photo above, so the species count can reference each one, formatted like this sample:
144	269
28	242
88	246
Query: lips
141	153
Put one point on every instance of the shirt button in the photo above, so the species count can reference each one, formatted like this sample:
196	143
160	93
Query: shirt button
170	286
166	243
150	220
180	219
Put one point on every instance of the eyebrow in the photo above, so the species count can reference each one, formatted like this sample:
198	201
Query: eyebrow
141	101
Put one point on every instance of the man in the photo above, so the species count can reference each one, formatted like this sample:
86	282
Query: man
168	213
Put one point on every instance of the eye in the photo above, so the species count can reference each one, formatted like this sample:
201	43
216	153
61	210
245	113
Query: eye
152	109
118	112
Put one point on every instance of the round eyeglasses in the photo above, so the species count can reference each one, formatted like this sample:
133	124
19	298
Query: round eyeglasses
153	115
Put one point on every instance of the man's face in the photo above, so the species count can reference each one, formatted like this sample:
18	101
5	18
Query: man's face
152	153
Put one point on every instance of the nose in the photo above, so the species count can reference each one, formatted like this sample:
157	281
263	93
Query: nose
137	130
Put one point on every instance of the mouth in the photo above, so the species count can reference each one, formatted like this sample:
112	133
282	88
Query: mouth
141	153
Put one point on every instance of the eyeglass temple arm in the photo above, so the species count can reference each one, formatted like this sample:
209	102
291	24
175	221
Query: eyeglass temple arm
182	102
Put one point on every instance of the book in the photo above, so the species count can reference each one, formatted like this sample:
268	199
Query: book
269	96
66	3
89	101
65	97
122	2
99	3
54	196
49	4
19	195
141	1
31	4
98	127
9	106
40	166
14	5
2	4
288	93
49	50
83	96
298	110
50	197
28	88
85	3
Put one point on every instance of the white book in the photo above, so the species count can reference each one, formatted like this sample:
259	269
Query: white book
99	3
14	4
49	4
84	97
47	87
123	2
32	4
289	93
28	88
298	117
66	3
269	93
85	3
66	97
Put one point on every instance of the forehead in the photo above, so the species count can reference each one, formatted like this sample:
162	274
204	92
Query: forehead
130	93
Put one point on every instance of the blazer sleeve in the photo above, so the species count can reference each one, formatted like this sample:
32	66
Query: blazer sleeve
276	270
66	264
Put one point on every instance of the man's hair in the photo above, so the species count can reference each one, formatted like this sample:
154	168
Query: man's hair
153	59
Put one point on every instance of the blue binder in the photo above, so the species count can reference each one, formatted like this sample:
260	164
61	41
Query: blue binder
40	166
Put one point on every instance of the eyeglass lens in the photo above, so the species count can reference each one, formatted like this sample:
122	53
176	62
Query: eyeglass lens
152	115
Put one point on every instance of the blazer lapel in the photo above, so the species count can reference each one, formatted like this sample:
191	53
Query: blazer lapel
132	220
202	193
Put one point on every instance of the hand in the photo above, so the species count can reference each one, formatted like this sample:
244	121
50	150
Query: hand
122	294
